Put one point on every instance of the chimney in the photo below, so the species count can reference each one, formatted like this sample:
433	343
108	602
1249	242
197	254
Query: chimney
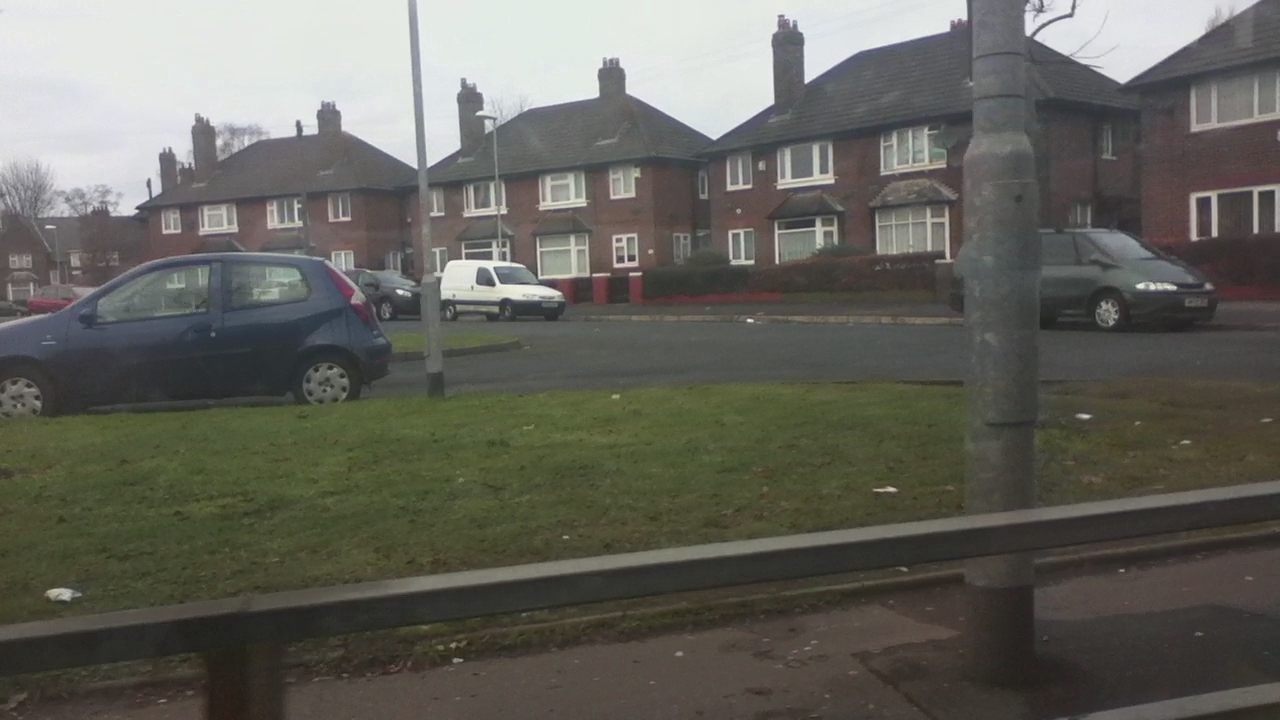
470	127
788	66
204	148
186	175
329	119
168	170
613	79
297	124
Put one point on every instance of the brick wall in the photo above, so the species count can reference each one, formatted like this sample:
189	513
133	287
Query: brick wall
1177	162
19	238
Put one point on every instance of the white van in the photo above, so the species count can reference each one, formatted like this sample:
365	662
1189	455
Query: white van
497	290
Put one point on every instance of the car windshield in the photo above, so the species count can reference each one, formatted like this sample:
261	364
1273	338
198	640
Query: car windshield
393	278
515	275
1122	246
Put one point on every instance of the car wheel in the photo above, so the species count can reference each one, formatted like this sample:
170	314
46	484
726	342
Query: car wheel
326	379
386	311
449	312
25	392
552	317
506	311
1109	312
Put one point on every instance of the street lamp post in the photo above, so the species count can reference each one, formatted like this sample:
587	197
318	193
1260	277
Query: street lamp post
498	196
57	256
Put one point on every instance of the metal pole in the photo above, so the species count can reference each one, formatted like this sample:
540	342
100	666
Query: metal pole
1000	264
500	198
430	286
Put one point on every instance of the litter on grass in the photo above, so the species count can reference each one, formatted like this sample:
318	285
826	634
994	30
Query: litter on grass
1083	416
887	490
62	595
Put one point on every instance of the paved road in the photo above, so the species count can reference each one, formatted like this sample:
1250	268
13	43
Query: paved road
591	355
1109	637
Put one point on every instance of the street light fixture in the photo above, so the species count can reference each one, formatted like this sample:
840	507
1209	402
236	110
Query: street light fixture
499	197
57	256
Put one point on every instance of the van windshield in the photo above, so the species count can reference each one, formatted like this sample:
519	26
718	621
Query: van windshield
515	276
1122	246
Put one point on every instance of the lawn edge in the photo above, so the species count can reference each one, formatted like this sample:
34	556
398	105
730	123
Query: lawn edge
504	346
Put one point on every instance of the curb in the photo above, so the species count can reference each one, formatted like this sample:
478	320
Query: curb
460	352
838	591
779	319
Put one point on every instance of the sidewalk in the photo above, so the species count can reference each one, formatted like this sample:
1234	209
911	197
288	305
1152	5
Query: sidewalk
1111	637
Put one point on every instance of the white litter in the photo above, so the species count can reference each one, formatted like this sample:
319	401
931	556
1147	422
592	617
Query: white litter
1138	423
617	397
1267	420
458	661
1083	416
564	537
887	490
751	320
1185	442
903	569
528	427
679	654
1247	577
62	595
1199	634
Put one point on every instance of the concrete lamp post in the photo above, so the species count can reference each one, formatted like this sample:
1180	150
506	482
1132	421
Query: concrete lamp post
57	256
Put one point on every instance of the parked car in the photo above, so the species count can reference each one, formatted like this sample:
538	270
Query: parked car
198	327
497	290
9	310
52	298
391	293
1113	279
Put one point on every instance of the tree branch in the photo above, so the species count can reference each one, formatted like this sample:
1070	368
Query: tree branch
1042	7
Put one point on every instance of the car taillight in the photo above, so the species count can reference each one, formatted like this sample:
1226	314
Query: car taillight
351	293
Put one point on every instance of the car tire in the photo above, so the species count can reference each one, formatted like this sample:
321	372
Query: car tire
506	311
449	312
552	317
326	379
26	392
386	311
1109	312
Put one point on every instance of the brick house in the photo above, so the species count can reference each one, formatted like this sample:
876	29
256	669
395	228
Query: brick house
869	154
1211	133
608	185
330	194
27	256
89	250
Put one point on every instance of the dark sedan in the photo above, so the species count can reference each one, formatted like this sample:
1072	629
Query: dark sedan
391	293
198	327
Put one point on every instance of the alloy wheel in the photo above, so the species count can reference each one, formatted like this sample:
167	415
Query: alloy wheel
1107	313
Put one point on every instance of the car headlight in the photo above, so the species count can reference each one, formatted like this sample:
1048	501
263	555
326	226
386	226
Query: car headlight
530	296
403	293
1156	286
1209	286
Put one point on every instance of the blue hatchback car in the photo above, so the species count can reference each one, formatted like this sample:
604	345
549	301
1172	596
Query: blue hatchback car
198	327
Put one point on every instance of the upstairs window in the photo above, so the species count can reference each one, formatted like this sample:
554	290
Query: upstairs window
1235	99
738	171
340	207
566	189
437	202
171	221
911	149
805	164
622	182
218	218
284	213
480	198
1108	141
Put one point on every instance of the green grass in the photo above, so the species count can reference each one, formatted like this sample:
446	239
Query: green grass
151	509
414	342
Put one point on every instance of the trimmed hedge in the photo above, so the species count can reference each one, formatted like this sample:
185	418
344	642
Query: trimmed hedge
850	274
1233	262
692	281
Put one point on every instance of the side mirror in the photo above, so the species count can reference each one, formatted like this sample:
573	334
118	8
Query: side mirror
87	317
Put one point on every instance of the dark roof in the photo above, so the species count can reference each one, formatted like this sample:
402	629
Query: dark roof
914	192
1251	36
574	135
293	166
484	229
561	223
919	80
127	233
803	205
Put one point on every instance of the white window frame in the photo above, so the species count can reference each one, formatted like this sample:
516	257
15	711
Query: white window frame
394	260
74	259
436	195
1108	141
619	177
704	184
31	289
171	221
578	242
440	258
1080	216
890	142
1213	195
20	261
54	278
739	241
681	247
500	248
929	220
740	162
1200	125
337	213
826	230
575	179
274	208
629	245
228	212
469	194
343	259
823	152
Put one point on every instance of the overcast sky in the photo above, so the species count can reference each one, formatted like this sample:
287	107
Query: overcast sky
96	88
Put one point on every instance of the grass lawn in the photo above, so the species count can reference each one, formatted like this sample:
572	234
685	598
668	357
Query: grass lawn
414	342
150	509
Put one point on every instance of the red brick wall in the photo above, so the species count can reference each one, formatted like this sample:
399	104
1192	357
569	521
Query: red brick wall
1076	170
1177	162
19	238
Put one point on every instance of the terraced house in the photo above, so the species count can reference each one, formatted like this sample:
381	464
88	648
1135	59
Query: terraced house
329	194
607	185
870	153
1211	133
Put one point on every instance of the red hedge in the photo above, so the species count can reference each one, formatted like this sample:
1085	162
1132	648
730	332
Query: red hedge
849	274
1248	262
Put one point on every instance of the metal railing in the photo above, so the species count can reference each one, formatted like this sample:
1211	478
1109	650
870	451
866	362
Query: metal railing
242	638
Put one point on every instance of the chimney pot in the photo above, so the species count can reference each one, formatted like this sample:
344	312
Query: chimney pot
613	79
788	66
329	119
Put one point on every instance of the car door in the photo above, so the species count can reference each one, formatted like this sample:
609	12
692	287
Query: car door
484	291
150	338
1060	271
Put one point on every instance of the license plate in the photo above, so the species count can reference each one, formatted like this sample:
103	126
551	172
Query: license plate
1197	302
550	305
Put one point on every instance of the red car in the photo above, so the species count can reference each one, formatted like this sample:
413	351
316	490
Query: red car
52	298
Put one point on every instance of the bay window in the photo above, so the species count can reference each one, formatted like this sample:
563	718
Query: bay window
799	239
563	256
913	229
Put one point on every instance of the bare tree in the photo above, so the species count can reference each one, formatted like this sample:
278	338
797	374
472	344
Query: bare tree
232	138
506	108
1040	9
83	200
1221	16
27	188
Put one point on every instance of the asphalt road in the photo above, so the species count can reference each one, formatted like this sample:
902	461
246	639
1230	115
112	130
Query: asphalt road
604	355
